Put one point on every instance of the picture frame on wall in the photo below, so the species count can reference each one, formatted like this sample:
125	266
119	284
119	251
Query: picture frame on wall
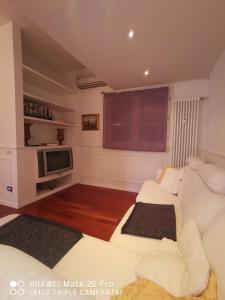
90	122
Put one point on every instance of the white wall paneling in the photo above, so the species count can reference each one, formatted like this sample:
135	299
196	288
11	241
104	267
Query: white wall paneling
124	170
115	168
5	174
11	107
8	177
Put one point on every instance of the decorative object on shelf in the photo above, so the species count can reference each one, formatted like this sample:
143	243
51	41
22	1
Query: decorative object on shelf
60	135
27	135
36	110
90	122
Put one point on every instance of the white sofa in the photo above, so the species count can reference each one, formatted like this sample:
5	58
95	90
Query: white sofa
115	261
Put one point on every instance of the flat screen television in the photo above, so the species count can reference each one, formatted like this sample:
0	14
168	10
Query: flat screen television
51	161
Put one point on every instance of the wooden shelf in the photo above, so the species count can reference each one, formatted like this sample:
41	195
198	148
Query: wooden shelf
45	193
47	122
44	82
54	176
62	181
48	102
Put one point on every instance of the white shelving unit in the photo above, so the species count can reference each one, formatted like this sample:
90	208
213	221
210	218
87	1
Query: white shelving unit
61	182
42	88
49	102
44	82
32	120
54	176
52	85
45	193
40	71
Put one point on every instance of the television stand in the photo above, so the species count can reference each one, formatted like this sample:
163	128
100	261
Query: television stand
51	186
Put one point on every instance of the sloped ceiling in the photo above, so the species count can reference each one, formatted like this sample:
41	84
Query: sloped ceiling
36	47
176	39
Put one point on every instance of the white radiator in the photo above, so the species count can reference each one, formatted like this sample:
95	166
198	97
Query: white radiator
185	118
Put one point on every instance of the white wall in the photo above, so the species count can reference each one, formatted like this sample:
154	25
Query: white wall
214	145
8	177
120	168
11	111
190	89
11	107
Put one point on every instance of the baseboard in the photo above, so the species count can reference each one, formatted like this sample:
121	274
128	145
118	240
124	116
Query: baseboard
8	204
29	201
125	187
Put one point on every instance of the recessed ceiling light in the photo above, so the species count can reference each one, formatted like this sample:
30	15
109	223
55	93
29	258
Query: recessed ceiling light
146	73
131	34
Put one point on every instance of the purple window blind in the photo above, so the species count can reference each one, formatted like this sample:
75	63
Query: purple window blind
136	120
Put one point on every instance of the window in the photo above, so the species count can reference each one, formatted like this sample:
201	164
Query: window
136	120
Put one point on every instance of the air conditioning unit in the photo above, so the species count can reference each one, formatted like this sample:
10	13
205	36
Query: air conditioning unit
88	82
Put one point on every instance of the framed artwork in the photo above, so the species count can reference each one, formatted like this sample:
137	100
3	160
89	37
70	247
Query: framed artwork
90	122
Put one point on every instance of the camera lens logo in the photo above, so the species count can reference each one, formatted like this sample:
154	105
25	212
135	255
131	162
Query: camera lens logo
16	288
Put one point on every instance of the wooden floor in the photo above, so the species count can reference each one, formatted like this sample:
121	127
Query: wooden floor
93	210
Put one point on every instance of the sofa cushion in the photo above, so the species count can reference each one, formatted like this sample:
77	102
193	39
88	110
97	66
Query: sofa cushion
151	220
162	268
194	163
101	261
19	270
214	177
195	280
45	240
152	193
160	174
139	244
214	245
181	273
171	180
198	202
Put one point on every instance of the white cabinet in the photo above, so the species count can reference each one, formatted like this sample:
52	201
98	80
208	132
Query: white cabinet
5	174
47	78
8	177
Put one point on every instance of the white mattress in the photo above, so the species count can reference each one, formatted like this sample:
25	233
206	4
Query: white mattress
150	193
95	260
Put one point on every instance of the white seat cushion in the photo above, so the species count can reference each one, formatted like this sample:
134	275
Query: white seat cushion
214	245
94	259
149	193
21	269
194	163
195	280
139	244
183	272
214	177
171	180
162	268
152	193
198	202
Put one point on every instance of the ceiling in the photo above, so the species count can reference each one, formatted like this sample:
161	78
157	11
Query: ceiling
35	41
175	40
58	60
